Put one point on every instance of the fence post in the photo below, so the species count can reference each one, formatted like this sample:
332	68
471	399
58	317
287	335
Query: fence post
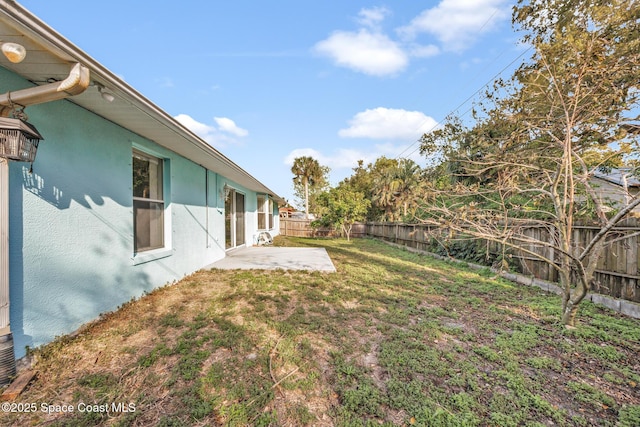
633	269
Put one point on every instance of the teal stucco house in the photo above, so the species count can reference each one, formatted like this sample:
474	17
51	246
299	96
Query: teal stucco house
121	198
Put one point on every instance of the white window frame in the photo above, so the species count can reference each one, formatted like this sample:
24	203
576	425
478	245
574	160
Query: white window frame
164	249
262	212
265	210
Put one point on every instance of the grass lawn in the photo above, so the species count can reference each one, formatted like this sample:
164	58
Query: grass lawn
392	338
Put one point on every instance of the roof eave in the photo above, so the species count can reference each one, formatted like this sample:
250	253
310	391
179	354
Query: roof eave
67	51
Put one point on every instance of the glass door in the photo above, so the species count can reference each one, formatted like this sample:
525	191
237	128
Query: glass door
234	222
239	210
228	216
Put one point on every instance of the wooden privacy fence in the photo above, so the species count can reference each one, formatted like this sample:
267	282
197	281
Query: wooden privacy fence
302	228
617	271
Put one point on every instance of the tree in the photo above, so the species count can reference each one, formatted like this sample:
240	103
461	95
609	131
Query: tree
342	207
362	180
309	178
383	187
397	184
529	160
393	186
410	185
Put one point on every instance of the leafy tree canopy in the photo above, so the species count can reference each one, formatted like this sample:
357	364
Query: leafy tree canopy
342	206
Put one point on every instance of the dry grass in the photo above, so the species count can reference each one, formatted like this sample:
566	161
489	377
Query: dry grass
391	338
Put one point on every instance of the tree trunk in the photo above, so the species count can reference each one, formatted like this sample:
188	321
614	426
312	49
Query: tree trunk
571	301
569	314
565	284
306	198
347	231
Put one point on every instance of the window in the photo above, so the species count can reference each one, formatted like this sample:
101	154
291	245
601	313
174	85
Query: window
148	202
262	213
265	212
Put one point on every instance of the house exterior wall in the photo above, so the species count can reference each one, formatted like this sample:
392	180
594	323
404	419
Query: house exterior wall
71	240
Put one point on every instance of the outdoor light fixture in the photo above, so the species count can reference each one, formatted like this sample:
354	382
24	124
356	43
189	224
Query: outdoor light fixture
13	51
106	95
18	140
225	191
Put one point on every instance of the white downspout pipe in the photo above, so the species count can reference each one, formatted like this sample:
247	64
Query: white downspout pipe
76	83
7	354
4	247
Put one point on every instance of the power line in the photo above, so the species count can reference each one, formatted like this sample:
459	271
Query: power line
464	102
566	18
485	67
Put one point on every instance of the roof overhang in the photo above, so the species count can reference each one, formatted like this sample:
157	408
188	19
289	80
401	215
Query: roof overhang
51	56
619	176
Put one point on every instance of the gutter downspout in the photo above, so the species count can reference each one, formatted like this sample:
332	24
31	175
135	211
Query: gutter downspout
7	355
76	83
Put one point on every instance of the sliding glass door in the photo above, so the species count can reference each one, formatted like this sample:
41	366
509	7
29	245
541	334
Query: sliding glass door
234	219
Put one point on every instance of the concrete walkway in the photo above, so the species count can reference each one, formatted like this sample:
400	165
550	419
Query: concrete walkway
273	258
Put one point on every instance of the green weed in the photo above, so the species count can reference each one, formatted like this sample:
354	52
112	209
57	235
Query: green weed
159	351
543	362
601	351
629	416
171	320
588	394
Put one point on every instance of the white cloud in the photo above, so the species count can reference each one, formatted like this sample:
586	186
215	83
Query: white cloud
401	128
219	136
372	18
196	127
457	23
341	158
388	123
228	125
420	51
365	51
342	161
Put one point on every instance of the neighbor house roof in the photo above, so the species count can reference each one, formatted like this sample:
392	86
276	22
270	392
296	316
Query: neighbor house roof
617	176
50	58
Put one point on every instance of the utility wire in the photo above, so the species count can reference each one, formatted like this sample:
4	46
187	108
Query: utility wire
469	98
493	79
485	24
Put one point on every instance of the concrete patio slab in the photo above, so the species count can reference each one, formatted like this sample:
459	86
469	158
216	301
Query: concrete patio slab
273	258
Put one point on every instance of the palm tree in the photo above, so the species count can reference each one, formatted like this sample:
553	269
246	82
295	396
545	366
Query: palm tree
385	189
409	183
396	186
307	171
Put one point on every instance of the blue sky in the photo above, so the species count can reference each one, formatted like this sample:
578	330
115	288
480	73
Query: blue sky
265	82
